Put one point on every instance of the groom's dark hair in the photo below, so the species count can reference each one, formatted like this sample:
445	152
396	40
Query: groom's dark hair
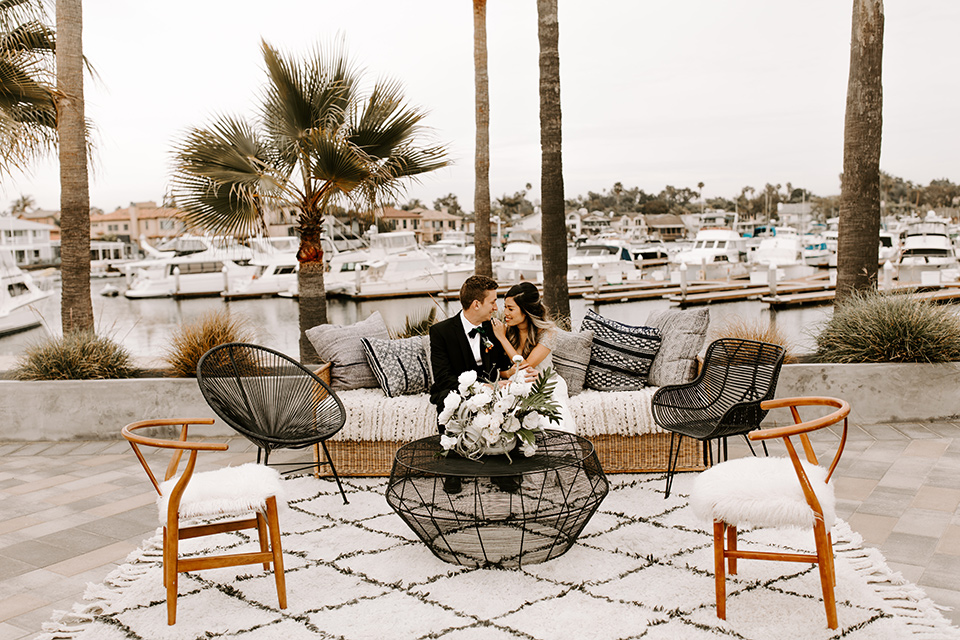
475	288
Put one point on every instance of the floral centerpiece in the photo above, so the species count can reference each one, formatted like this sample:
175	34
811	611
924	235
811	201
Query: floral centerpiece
482	418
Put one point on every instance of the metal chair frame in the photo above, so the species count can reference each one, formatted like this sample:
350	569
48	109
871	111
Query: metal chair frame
723	400
273	401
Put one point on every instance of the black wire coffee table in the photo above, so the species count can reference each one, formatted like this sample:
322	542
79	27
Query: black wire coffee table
484	525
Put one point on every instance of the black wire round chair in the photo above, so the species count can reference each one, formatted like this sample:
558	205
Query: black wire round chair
272	400
724	400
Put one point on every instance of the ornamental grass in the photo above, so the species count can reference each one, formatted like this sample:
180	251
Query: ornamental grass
889	327
758	330
79	355
192	340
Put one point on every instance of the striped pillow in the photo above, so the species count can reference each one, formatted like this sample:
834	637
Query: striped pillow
400	365
340	346
571	356
621	355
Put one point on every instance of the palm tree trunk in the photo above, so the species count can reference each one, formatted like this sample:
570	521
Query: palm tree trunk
313	297
553	223
76	305
859	238
481	194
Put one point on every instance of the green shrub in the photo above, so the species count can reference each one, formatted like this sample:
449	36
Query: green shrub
755	329
80	355
194	339
897	327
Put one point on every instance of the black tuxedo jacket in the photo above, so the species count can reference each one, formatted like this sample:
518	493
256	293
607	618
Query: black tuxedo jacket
450	355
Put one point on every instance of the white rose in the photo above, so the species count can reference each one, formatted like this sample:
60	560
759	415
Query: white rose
483	398
448	442
466	380
531	421
481	421
452	401
527	449
511	424
446	414
521	389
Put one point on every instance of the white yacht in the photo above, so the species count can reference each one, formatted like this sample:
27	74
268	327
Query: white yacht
21	299
716	254
276	267
202	267
393	265
600	258
816	252
784	252
522	260
927	250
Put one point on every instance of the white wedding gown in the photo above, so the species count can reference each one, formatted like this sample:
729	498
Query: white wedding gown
560	394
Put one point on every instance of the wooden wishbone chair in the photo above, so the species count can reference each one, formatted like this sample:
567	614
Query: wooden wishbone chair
234	490
775	492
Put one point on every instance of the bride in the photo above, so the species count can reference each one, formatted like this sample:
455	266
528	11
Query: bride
526	331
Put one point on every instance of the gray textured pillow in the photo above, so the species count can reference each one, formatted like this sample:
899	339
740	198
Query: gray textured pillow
621	354
682	334
400	365
426	350
571	356
340	346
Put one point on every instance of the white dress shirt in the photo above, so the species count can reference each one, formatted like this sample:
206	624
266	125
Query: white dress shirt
475	340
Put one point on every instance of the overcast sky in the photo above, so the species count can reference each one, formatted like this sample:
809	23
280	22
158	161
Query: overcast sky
727	92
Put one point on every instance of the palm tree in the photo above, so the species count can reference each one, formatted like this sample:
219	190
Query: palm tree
76	306
28	113
553	223
481	190
859	238
317	141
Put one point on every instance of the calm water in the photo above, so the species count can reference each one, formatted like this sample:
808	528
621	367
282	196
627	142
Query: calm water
144	326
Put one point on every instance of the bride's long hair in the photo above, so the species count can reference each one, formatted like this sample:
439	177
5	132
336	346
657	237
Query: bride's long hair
527	298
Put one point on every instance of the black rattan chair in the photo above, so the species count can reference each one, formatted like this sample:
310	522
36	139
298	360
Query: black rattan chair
272	400
724	400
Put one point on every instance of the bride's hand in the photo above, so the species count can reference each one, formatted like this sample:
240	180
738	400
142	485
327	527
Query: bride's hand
499	329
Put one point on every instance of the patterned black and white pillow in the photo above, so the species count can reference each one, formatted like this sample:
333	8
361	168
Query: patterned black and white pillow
400	366
621	355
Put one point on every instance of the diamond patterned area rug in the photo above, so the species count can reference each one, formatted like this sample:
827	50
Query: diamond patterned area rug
643	568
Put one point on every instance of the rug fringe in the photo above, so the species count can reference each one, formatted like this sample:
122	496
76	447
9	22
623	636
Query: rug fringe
911	602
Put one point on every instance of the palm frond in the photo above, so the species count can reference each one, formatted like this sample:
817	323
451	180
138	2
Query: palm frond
222	176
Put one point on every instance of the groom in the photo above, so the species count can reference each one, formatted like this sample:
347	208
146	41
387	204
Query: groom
466	342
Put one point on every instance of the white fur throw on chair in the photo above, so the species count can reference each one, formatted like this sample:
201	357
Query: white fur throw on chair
761	492
227	491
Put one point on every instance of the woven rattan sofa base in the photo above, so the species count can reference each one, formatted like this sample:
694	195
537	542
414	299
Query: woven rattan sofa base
618	454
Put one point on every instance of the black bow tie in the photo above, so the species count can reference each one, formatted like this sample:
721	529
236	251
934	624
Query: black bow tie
473	332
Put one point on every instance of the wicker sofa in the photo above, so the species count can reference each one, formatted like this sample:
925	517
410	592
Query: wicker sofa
619	424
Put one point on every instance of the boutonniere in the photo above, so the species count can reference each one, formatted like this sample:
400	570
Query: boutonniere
487	345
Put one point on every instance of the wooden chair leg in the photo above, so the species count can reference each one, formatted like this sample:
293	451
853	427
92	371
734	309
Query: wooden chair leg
274	524
825	564
732	546
164	557
718	567
262	534
171	571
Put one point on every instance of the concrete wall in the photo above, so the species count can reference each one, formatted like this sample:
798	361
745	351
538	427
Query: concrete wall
68	410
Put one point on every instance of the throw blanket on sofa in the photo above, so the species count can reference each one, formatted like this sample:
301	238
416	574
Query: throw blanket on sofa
372	416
